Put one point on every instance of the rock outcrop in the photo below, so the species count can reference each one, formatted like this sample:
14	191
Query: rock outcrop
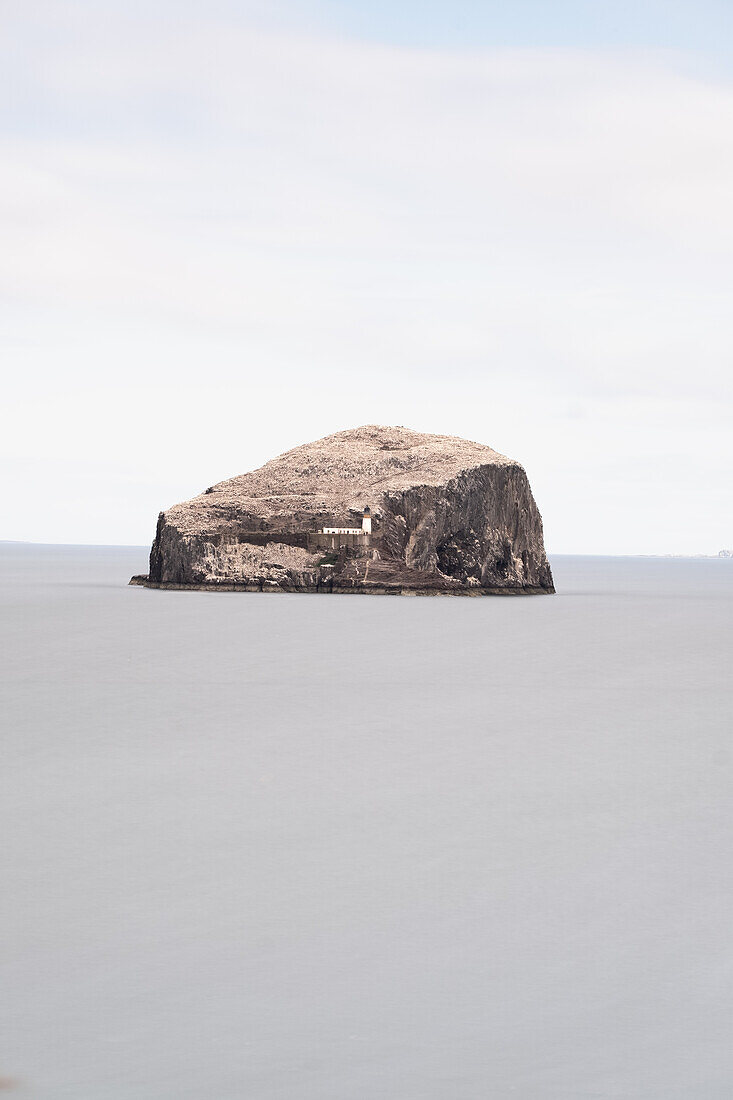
448	517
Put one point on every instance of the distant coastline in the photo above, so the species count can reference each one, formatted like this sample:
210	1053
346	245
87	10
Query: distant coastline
721	555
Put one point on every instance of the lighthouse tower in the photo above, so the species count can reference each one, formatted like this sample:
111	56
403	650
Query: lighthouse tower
366	521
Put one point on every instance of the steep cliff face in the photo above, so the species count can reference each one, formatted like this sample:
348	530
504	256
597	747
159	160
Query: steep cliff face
449	516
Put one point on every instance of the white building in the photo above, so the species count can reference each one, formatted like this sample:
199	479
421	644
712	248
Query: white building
365	529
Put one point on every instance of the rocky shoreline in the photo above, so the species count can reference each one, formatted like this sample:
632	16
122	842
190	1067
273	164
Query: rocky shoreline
143	581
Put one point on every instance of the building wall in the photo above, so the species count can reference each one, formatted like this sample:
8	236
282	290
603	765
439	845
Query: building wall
262	538
320	540
313	540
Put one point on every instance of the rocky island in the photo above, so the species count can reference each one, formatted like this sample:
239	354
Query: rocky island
372	510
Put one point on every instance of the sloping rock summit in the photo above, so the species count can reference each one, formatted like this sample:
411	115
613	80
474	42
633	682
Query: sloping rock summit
372	509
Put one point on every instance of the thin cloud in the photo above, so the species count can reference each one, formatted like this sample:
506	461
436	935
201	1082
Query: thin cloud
193	200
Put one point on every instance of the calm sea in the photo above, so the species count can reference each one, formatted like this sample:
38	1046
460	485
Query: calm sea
263	847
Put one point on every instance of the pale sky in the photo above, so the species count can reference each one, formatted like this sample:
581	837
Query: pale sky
230	228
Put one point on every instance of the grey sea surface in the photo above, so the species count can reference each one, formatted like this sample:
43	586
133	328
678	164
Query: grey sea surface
268	847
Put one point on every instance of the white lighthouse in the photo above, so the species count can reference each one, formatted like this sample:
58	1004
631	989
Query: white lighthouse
356	533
